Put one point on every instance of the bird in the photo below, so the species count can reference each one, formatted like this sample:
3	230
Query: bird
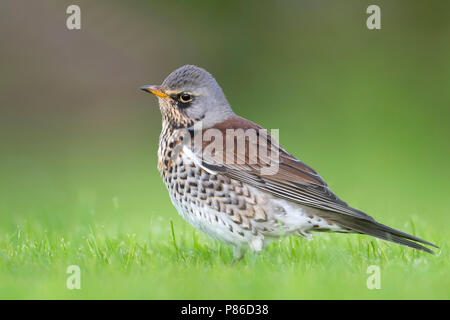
241	194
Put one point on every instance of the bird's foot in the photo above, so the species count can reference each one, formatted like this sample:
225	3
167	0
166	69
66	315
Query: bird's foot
238	254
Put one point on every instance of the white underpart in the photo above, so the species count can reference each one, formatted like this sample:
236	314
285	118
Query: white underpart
295	218
204	219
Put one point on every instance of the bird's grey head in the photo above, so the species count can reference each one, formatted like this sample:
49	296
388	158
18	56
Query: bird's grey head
191	94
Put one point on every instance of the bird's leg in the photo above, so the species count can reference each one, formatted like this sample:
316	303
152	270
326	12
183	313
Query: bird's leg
256	245
238	254
254	256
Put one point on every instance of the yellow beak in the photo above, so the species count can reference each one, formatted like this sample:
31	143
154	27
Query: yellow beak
156	90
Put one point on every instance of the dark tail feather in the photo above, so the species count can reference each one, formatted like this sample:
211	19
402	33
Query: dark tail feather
378	230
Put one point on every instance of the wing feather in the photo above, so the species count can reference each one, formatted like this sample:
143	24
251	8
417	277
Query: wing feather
283	175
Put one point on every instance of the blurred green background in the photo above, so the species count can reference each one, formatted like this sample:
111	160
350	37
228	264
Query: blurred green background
369	110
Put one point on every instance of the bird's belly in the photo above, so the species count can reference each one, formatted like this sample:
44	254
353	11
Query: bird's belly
210	222
218	206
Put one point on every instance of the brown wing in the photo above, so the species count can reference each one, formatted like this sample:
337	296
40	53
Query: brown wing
278	172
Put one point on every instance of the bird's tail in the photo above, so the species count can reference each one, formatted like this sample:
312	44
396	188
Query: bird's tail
378	230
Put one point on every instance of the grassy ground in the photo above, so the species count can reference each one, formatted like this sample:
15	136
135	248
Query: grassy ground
154	263
368	109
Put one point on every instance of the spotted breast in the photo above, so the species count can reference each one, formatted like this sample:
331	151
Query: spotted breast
221	207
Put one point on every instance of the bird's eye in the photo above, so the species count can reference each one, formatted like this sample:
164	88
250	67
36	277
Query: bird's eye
185	97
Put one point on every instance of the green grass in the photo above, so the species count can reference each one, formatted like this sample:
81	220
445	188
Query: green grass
369	110
165	261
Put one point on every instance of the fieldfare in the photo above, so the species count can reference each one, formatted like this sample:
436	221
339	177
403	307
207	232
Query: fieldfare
223	180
